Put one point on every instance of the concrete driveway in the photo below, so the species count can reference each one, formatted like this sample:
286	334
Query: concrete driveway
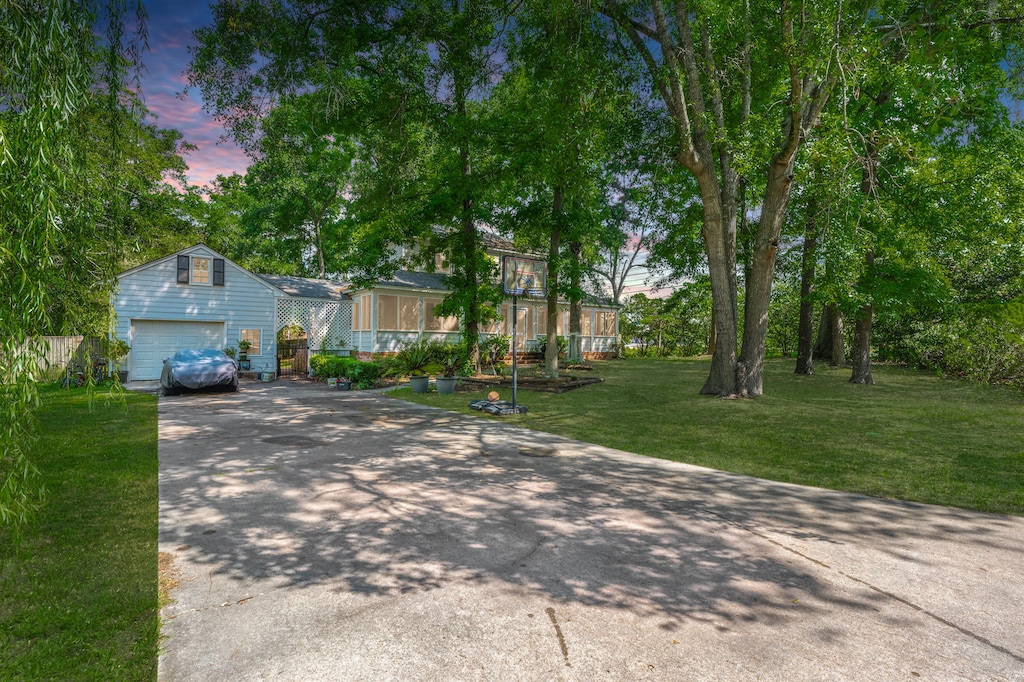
325	535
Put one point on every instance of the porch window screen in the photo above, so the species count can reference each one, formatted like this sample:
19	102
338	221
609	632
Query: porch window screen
365	311
431	322
586	326
542	319
183	266
355	314
561	322
491	327
605	323
387	312
409	313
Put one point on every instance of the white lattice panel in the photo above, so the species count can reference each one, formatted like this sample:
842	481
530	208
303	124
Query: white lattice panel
327	324
292	313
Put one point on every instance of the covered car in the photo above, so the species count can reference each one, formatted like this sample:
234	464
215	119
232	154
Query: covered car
198	369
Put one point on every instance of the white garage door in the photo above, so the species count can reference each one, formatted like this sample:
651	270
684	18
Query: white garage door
153	341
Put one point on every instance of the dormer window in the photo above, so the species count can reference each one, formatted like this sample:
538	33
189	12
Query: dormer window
200	270
441	264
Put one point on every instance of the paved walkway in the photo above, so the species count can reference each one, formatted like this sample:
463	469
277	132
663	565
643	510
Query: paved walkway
343	536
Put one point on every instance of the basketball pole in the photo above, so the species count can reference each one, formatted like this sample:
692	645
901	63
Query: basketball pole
515	375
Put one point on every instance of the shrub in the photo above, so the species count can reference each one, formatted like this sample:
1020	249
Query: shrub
361	374
984	343
364	374
325	366
416	359
497	347
454	361
541	344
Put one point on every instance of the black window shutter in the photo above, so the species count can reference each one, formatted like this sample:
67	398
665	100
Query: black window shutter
218	272
182	269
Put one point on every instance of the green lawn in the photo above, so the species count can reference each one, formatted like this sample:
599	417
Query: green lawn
81	601
911	436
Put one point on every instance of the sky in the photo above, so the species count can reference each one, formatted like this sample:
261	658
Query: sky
174	105
170	27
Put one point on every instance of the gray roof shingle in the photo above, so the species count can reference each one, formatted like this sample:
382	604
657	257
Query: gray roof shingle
415	280
303	287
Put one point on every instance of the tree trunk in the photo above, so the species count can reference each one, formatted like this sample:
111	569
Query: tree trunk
750	369
823	343
719	231
862	347
575	307
712	334
838	358
551	351
862	335
321	271
865	316
470	238
805	336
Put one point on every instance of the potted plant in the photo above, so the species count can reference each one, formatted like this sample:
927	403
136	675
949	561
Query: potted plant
453	360
415	361
243	357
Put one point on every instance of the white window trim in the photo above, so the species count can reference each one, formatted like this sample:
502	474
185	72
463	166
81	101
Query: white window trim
253	329
192	271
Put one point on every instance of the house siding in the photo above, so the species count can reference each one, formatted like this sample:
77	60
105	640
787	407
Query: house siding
366	342
244	302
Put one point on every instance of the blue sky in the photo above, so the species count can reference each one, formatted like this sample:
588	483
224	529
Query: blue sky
170	26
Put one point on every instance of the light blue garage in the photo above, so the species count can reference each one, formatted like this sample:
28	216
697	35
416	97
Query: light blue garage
197	298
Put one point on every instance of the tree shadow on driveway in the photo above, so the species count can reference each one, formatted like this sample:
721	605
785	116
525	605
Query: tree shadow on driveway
289	487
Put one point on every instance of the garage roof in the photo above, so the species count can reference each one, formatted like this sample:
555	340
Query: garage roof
303	287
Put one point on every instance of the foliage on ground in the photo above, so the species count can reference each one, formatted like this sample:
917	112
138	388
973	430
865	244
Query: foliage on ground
362	374
912	436
80	599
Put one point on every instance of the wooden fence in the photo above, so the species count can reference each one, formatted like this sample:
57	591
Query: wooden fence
61	352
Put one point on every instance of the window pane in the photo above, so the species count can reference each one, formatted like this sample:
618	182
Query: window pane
542	320
441	263
387	312
450	324
430	322
585	324
492	326
435	323
410	314
604	323
200	270
253	336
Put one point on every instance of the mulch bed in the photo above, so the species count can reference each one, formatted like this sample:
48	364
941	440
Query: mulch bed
530	383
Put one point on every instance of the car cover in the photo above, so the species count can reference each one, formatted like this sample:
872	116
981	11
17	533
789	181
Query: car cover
198	369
